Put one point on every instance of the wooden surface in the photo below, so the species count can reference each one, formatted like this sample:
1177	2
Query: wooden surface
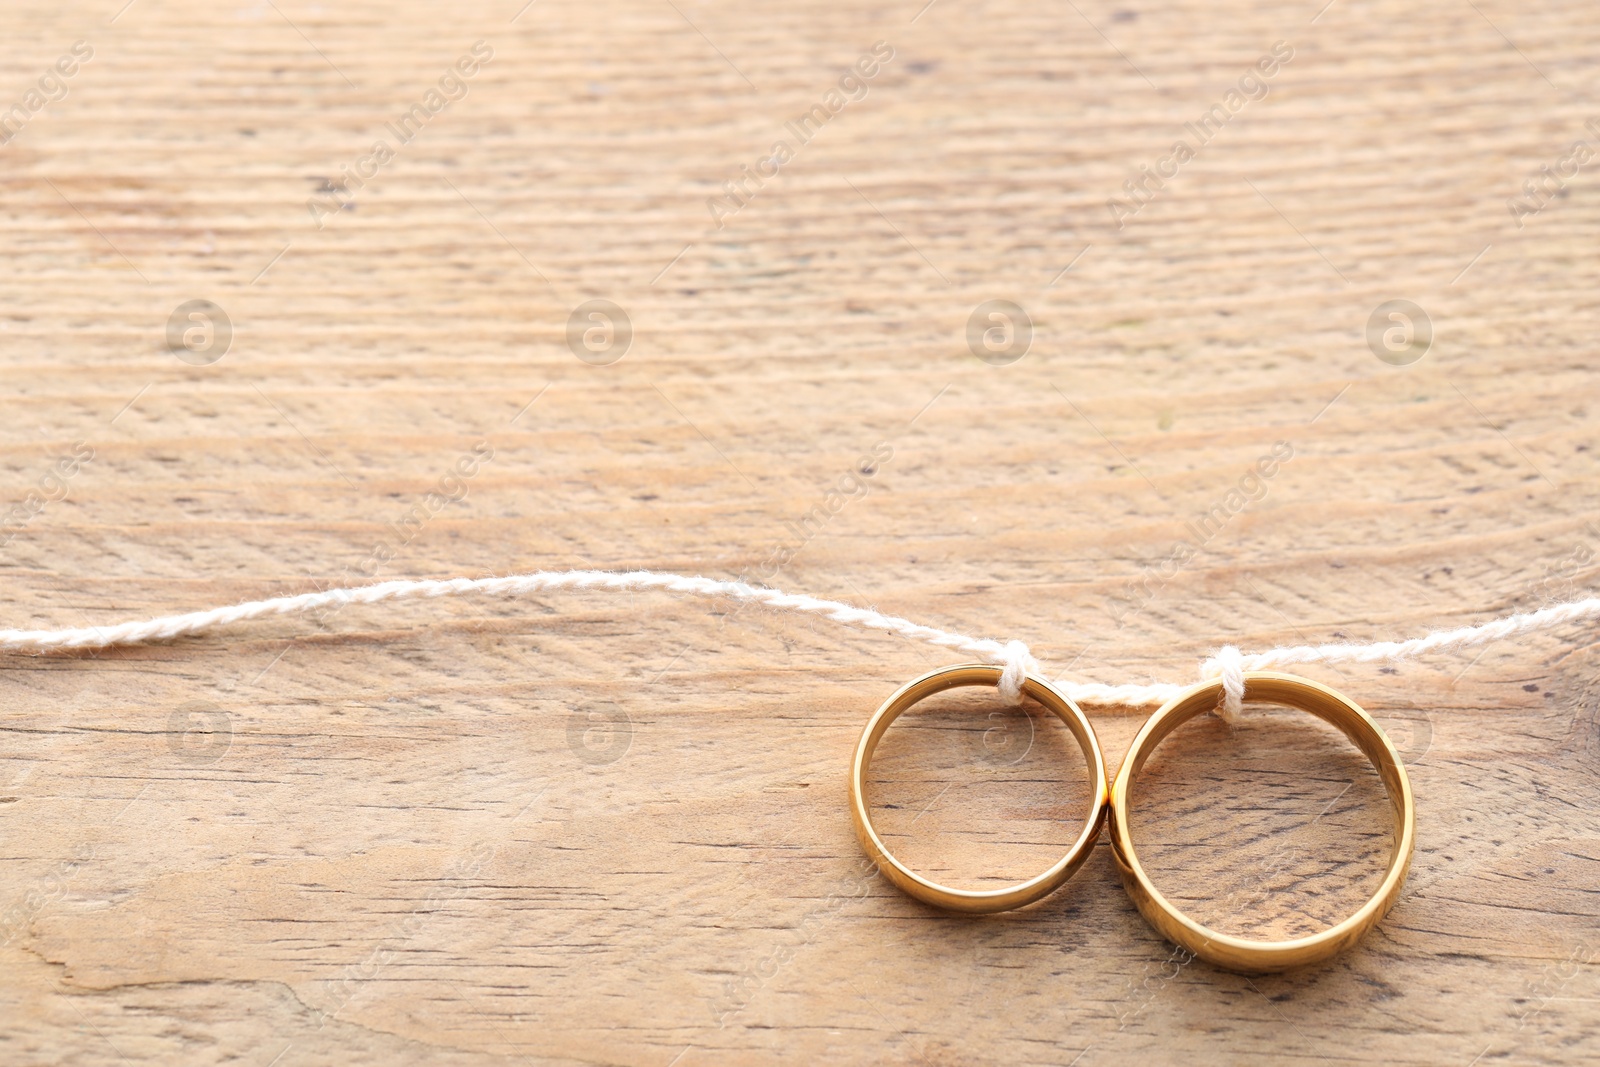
611	829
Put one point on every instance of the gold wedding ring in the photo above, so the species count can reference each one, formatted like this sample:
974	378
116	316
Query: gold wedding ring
976	901
1237	953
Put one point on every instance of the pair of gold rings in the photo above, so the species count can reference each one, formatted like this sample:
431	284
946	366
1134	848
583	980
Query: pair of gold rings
1113	799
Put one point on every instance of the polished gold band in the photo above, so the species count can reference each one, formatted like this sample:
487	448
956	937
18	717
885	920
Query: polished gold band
1235	953
975	900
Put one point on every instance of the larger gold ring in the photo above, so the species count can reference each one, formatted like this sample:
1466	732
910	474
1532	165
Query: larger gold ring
1237	953
976	901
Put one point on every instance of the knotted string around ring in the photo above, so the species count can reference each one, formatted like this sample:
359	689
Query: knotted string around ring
1228	664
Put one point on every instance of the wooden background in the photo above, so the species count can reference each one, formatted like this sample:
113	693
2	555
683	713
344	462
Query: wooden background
612	829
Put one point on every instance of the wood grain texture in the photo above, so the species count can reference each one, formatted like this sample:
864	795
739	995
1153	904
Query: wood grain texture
594	828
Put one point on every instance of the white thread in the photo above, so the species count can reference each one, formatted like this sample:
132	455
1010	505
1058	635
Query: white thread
1014	656
1019	661
1229	664
1230	661
1230	669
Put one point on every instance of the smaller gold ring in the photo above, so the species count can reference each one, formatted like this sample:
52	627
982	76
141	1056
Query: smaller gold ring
976	901
1237	953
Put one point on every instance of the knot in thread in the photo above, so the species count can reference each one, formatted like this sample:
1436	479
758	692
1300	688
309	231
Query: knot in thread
1228	665
1018	661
